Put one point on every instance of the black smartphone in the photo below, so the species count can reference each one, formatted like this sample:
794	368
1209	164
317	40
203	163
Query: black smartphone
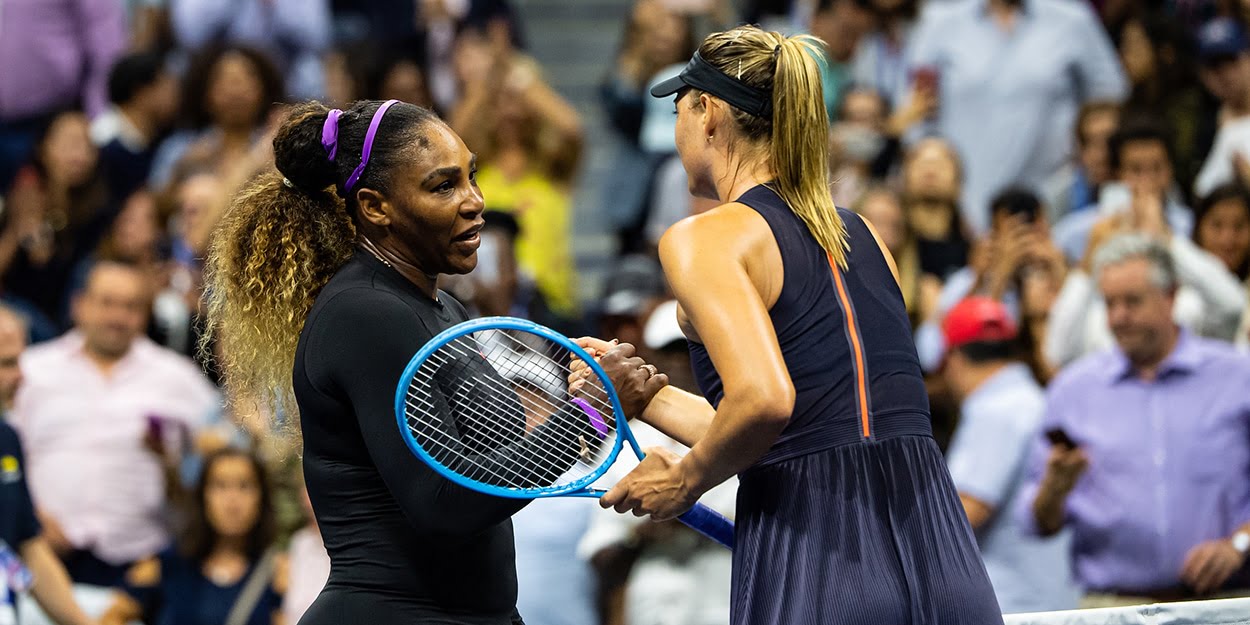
1026	205
1057	436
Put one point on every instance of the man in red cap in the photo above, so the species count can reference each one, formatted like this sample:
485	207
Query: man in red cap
1001	409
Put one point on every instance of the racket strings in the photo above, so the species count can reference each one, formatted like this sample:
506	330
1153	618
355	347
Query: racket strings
561	378
502	390
465	409
491	427
474	465
527	361
454	457
557	459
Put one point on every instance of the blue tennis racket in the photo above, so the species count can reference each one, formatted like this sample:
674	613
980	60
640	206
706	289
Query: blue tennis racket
487	403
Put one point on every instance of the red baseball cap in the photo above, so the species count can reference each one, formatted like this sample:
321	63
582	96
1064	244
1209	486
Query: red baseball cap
976	319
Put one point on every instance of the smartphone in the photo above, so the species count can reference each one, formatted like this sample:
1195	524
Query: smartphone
1114	198
156	428
926	78
1025	206
1057	436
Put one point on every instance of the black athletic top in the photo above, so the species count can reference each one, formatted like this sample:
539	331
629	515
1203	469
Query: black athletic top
406	545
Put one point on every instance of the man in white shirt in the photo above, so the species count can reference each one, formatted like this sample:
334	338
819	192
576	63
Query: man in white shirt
96	404
1210	300
1011	76
1224	51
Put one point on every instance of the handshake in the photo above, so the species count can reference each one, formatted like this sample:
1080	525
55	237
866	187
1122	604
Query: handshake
636	382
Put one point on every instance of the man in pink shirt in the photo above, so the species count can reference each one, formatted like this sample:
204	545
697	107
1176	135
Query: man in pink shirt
91	402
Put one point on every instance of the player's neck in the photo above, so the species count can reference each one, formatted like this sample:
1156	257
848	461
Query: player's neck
739	177
425	282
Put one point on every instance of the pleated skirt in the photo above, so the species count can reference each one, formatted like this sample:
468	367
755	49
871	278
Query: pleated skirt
869	533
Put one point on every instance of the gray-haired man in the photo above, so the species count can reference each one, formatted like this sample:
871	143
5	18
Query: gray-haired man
1152	446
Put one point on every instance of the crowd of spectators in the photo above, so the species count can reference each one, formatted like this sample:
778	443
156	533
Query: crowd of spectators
1063	184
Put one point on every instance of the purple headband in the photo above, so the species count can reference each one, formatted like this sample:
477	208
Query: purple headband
330	139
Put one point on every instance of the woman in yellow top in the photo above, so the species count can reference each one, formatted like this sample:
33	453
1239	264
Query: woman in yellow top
529	143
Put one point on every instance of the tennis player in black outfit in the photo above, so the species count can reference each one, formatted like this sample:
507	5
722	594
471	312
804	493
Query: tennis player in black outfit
330	266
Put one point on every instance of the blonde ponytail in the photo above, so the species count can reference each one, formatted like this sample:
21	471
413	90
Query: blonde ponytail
796	132
800	144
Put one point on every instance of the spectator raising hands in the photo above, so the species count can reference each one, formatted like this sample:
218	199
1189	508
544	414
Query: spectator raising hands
528	142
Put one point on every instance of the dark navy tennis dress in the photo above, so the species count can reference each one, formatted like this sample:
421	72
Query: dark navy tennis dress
851	517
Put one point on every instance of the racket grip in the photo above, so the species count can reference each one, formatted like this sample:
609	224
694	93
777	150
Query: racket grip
710	523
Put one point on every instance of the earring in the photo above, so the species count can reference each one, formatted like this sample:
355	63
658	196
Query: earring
709	138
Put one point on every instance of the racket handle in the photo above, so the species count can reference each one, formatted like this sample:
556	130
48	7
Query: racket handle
710	523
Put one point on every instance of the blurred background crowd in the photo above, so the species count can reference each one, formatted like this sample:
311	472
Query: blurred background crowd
1061	182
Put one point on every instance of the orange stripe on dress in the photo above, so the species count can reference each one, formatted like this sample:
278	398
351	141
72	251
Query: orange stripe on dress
855	345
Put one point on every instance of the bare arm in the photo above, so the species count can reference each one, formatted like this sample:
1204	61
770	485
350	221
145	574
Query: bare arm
545	102
708	261
684	417
23	208
471	117
1063	467
52	587
124	610
978	511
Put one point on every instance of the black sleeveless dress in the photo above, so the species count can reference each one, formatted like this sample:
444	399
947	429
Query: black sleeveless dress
851	517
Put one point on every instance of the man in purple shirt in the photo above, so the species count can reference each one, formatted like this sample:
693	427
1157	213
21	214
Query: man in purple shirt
54	54
1149	448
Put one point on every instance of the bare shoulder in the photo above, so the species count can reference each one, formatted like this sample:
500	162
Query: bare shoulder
728	228
729	237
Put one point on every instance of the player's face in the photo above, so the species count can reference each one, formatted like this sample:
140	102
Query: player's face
437	208
693	146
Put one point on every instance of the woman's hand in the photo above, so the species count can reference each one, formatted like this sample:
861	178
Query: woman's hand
658	486
1103	231
1009	253
636	382
1045	254
920	105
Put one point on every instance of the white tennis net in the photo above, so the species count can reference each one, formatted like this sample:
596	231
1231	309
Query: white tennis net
1216	612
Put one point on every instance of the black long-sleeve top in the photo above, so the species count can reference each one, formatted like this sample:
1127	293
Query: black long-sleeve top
406	545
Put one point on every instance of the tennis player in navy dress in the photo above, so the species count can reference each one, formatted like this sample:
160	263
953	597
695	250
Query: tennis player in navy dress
802	347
